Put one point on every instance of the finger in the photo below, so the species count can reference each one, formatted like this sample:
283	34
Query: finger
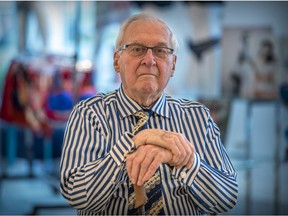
141	138
176	148
175	142
191	159
190	162
190	153
146	163
189	149
169	141
136	162
129	161
182	148
150	136
152	168
160	138
186	148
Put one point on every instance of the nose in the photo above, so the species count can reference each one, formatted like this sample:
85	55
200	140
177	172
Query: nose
149	58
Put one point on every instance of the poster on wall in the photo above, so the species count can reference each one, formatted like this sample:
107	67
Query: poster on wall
249	62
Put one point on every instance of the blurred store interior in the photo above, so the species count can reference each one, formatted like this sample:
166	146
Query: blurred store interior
233	57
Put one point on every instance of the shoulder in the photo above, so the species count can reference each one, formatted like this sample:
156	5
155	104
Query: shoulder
100	98
185	104
188	108
97	103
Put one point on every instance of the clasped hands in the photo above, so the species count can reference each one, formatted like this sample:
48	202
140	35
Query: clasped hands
154	147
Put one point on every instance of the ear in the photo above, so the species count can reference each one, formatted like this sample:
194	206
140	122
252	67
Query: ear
115	62
173	65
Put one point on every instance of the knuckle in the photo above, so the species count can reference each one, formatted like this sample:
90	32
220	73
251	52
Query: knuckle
154	166
136	160
145	163
183	136
192	148
189	151
178	154
175	159
128	160
184	153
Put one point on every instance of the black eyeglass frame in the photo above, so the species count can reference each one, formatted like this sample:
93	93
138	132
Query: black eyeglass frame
125	46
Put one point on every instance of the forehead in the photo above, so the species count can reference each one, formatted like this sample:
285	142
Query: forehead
147	31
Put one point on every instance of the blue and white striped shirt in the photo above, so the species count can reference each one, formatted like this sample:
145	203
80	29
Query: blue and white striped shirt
98	137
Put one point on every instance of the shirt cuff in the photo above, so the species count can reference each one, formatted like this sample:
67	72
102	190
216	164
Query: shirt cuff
185	175
122	148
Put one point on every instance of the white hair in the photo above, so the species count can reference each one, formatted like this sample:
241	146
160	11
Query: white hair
143	16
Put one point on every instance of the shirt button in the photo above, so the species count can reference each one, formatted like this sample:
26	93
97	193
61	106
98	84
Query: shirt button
183	174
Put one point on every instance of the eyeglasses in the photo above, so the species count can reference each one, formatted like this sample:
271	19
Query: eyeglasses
138	50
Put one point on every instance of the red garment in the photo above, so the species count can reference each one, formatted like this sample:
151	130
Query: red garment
40	91
10	110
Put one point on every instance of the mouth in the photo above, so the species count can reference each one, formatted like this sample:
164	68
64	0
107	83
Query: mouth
146	74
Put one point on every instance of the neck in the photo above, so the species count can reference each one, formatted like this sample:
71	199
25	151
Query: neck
144	100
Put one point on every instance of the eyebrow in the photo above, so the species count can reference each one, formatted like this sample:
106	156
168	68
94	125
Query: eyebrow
159	44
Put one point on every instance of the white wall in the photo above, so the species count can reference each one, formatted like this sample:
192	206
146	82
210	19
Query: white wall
257	13
202	21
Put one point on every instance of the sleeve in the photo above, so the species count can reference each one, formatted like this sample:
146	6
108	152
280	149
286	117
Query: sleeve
211	181
90	172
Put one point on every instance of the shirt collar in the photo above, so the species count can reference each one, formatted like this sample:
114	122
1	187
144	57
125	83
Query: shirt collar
127	106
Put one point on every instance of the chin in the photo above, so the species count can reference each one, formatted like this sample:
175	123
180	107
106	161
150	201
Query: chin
149	89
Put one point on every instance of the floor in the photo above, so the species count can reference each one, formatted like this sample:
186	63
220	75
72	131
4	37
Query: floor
262	179
35	196
38	195
256	144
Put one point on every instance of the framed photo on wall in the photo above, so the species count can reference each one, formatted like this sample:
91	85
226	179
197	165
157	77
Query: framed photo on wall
243	64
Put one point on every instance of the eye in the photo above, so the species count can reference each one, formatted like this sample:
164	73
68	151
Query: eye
137	50
160	50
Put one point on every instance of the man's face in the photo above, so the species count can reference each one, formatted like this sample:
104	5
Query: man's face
145	76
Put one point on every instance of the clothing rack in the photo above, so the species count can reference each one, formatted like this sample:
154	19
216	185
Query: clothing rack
55	83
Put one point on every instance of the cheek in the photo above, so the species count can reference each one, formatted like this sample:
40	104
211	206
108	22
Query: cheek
167	72
127	74
166	79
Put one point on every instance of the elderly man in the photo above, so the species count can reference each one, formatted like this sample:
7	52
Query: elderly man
137	150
